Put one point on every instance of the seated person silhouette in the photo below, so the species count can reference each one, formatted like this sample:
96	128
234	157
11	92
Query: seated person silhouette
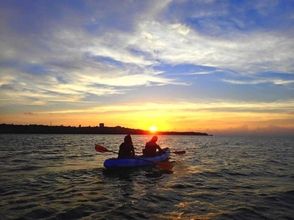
151	148
126	149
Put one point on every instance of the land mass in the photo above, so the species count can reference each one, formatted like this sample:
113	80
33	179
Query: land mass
46	129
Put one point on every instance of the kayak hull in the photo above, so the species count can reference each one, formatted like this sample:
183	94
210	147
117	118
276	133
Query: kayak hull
115	163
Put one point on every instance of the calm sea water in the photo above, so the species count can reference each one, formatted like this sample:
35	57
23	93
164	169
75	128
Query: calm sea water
62	177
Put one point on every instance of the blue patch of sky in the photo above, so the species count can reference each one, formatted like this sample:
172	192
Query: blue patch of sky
191	74
31	16
268	16
140	53
225	17
213	26
105	60
100	15
34	69
107	23
285	76
182	69
113	15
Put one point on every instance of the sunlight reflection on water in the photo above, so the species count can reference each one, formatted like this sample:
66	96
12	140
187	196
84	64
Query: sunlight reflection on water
61	176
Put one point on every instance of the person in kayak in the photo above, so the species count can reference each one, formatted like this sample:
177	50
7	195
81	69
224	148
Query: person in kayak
126	149
151	148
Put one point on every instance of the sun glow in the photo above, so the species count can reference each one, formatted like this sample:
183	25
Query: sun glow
153	129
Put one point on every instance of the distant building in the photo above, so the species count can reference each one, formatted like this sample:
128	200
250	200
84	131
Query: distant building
101	125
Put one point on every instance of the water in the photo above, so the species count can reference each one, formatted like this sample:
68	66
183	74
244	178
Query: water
62	177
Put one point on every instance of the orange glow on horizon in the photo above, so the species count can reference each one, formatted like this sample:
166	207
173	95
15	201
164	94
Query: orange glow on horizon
176	117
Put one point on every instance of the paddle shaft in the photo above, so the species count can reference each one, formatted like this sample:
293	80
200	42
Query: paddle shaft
102	149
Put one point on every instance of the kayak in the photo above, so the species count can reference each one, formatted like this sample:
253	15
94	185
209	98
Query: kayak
140	161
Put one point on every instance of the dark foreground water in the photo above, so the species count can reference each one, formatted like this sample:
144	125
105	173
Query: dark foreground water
61	177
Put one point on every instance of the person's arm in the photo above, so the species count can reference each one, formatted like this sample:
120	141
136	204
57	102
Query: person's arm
120	150
159	148
133	151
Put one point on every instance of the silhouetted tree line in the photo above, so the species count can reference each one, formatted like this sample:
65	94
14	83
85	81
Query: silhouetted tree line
46	129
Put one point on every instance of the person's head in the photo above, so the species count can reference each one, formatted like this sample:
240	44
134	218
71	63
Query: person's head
154	139
128	139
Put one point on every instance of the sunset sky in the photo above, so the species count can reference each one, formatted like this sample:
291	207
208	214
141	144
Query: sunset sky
223	67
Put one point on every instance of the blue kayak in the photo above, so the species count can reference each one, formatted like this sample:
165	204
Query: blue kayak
140	161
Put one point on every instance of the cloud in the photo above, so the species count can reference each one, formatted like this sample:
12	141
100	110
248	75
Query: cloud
75	51
205	72
67	63
162	41
190	108
259	81
245	53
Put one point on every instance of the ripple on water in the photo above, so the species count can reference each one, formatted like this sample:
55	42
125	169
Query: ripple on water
61	177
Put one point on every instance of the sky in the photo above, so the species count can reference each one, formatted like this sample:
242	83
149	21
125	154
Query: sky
216	66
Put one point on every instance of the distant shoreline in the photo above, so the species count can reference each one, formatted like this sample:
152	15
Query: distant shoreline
46	129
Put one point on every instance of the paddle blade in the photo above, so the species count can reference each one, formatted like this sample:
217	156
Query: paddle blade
101	149
179	152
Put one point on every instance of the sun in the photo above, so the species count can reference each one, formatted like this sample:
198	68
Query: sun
153	129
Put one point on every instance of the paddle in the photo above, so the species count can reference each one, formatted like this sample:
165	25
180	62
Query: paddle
179	152
102	149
